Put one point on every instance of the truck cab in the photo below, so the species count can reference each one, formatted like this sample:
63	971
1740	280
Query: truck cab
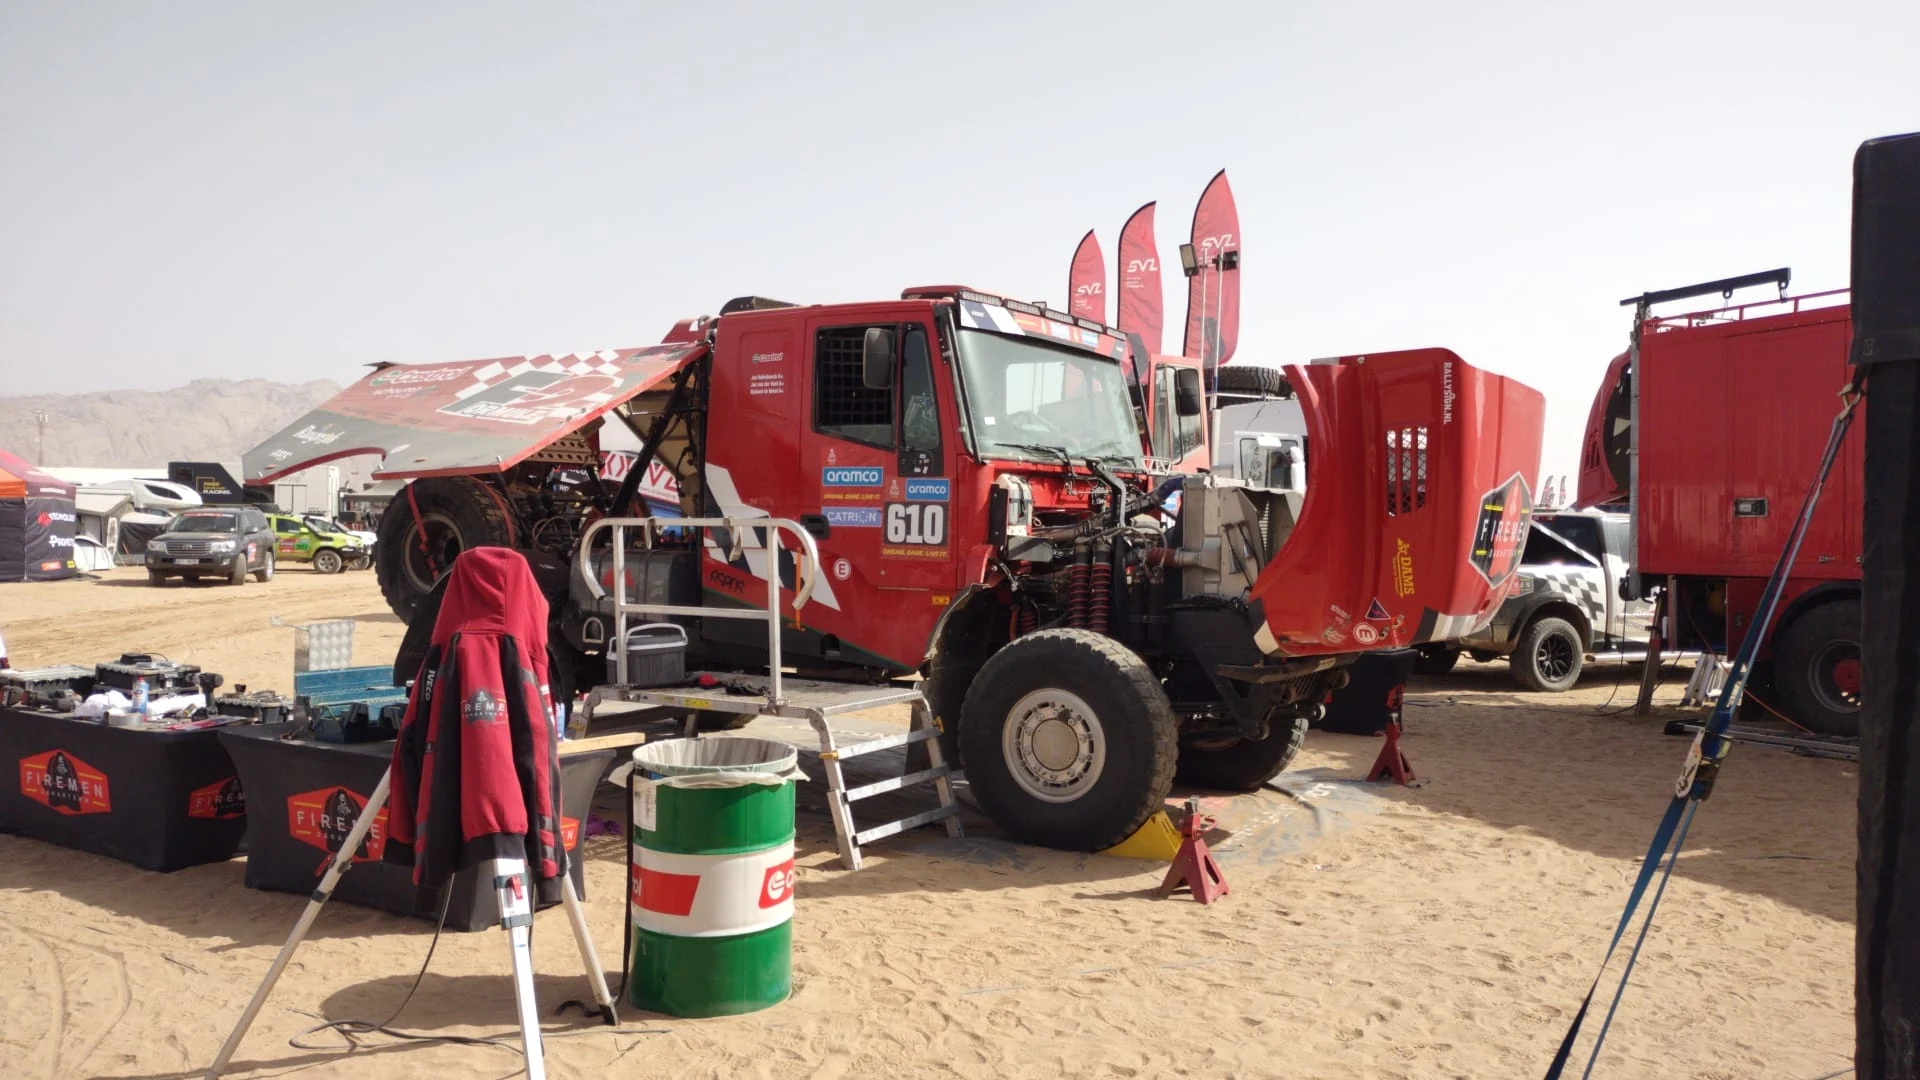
1565	609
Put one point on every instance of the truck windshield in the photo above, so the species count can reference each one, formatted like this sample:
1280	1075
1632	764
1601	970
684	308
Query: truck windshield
1031	401
212	523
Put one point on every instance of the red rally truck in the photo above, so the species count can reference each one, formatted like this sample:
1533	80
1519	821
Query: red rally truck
973	475
1710	431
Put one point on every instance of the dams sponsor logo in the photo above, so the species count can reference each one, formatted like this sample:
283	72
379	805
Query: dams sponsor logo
1402	568
218	801
59	781
323	817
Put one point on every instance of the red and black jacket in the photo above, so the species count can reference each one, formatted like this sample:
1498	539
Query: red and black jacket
476	768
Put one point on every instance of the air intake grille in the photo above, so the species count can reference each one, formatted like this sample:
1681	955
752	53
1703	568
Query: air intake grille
1406	470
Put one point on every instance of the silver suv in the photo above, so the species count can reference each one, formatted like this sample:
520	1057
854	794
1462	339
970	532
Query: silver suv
216	541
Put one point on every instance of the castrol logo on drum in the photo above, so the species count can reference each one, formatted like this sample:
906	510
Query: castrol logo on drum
777	889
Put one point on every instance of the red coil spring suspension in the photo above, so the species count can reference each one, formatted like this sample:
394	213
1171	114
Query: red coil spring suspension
1077	581
1099	604
1029	620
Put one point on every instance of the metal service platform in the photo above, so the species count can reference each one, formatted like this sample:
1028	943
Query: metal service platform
776	694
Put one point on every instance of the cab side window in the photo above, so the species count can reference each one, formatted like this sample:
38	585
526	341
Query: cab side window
286	527
919	408
843	405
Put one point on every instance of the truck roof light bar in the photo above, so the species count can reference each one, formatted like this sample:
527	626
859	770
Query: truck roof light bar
1724	286
1040	311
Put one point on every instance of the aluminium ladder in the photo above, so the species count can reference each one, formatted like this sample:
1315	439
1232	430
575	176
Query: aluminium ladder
774	694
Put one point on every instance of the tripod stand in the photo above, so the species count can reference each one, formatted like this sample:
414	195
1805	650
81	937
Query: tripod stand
510	881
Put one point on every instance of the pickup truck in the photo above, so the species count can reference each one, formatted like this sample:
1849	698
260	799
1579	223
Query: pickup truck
299	540
1565	609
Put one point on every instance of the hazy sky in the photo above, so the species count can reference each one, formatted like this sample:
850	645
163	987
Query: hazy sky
192	189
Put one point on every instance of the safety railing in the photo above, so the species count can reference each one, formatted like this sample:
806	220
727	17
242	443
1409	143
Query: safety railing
1756	309
806	567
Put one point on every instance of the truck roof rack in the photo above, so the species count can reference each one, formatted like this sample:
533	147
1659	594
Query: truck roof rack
1724	287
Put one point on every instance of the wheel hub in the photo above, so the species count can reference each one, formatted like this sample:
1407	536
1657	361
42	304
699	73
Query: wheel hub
1054	745
1843	676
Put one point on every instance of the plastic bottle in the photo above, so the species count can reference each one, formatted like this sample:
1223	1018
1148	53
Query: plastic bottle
140	697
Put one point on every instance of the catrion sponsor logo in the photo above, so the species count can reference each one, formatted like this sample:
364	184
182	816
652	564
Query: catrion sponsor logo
927	490
1446	392
59	781
481	707
777	889
853	476
853	517
219	800
322	818
1402	568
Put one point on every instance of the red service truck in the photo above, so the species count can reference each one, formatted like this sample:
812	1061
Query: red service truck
1711	436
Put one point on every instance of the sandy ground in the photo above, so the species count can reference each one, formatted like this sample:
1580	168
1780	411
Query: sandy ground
1443	931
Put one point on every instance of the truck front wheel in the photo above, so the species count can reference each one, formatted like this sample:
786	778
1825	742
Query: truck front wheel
1548	656
1816	669
327	561
1242	764
1068	739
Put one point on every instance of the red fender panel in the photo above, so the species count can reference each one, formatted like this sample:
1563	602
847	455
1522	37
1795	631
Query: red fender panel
1419	493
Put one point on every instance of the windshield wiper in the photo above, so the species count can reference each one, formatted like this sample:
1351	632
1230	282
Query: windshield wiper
1037	448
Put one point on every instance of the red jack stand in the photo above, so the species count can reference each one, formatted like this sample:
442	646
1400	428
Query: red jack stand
1392	762
1193	864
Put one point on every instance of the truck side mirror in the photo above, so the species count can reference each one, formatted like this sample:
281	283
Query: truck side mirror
876	358
1186	393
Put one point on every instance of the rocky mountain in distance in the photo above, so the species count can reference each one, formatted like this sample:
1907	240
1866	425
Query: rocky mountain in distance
205	420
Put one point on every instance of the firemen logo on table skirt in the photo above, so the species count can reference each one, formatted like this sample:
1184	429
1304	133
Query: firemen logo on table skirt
219	800
712	895
324	817
1502	530
59	781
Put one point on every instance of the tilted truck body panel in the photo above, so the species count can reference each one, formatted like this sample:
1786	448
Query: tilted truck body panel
1734	415
1418	499
473	416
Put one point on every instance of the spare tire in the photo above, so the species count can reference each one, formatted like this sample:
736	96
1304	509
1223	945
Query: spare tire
1252	379
459	512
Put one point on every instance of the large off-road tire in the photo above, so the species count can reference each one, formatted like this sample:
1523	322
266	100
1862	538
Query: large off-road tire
1548	656
460	512
1816	669
1069	740
1241	764
1435	659
1252	379
265	573
328	561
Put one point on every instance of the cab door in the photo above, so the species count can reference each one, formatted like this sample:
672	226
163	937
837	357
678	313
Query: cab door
883	457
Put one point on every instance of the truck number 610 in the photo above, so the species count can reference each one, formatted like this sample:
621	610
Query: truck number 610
917	523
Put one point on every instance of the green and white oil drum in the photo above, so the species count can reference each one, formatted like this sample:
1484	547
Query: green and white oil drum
712	889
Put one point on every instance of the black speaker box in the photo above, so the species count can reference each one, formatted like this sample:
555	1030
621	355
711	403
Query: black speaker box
1886	250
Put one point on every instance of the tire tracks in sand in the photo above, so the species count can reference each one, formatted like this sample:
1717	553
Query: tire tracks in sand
83	1002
